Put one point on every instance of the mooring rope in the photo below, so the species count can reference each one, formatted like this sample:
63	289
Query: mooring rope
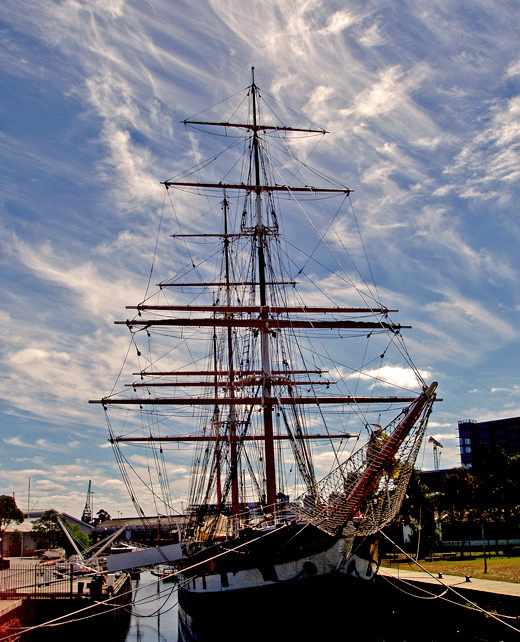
473	605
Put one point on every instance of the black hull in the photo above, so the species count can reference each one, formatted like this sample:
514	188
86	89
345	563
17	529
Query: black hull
340	607
282	611
267	602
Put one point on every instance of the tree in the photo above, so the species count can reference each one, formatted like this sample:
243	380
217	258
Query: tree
80	537
9	512
102	516
457	497
418	512
48	529
512	491
492	475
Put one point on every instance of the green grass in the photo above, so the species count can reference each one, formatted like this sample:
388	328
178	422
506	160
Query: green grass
499	567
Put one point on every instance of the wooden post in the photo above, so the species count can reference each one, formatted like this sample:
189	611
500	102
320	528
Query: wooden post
484	547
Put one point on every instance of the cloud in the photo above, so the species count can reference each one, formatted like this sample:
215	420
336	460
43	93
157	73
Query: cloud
82	279
40	444
172	469
116	484
30	358
513	69
338	21
513	389
490	160
49	486
445	436
373	36
472	319
437	228
14	441
393	376
385	94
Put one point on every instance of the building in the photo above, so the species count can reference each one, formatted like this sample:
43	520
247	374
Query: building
433	479
149	530
479	437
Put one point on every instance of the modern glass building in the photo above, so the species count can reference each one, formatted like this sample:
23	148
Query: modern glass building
479	437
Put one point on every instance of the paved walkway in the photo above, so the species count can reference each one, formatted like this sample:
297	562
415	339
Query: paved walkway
8	605
495	587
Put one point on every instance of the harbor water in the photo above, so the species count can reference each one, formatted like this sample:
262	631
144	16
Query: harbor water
379	612
154	615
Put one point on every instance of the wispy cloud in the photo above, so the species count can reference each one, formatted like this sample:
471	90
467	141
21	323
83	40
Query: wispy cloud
393	376
41	444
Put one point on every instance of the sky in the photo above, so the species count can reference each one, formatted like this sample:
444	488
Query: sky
422	101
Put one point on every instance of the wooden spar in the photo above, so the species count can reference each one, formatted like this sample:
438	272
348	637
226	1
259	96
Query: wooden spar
252	309
237	383
221	373
253	401
222	285
266	323
259	188
258	127
220	235
219	438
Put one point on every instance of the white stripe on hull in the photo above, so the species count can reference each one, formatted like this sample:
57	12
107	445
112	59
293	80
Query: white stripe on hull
326	562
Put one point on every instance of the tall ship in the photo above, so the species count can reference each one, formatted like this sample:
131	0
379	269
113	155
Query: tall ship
264	367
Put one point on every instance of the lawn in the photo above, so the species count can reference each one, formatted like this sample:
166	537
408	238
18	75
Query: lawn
499	567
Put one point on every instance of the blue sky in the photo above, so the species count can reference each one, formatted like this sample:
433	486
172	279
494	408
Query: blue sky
422	100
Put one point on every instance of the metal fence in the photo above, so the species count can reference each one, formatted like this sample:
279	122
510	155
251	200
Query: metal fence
38	579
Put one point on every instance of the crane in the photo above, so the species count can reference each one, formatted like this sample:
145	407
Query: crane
87	511
436	453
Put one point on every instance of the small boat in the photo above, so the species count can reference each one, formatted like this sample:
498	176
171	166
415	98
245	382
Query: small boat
166	573
253	375
124	547
53	554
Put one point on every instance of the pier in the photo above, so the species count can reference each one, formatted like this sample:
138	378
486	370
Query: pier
10	616
33	593
490	609
466	584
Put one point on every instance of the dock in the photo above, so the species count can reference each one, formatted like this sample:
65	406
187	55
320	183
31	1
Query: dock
10	616
466	584
32	593
494	605
449	608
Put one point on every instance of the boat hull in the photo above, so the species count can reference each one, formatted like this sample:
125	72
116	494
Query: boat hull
235	601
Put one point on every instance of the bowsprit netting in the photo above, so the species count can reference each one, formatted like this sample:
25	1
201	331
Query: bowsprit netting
365	493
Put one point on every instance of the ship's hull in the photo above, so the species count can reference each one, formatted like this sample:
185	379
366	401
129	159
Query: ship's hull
237	604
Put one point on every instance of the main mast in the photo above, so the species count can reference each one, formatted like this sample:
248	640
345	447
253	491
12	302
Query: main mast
270	471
